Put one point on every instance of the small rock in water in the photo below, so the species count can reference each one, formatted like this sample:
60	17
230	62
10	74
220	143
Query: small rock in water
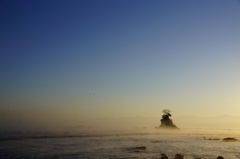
229	139
179	156
140	148
213	139
163	156
137	149
220	157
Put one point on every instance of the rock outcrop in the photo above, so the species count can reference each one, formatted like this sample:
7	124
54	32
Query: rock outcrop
230	139
166	122
179	156
163	156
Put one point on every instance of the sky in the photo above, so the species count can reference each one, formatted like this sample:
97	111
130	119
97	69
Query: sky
67	62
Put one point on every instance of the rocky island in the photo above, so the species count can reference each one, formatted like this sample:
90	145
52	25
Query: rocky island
166	122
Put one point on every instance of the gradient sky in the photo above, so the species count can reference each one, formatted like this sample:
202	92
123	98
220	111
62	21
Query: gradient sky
69	61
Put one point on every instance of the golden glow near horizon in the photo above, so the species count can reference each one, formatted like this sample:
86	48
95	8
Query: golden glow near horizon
118	62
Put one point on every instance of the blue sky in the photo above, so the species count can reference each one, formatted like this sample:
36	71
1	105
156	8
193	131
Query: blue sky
119	58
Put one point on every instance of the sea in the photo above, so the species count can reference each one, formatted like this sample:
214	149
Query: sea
140	144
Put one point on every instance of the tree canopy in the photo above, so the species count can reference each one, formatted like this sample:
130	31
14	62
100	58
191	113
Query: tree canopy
166	113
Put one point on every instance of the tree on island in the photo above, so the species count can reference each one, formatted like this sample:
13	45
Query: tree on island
166	114
166	122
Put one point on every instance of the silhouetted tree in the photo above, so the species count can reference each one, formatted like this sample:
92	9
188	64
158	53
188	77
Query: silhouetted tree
166	114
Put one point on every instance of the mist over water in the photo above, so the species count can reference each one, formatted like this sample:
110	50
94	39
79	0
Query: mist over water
125	138
192	143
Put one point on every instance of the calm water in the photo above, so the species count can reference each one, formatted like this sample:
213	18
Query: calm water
121	146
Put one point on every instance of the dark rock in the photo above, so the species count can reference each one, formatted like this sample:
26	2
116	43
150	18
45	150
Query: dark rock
179	156
163	156
213	139
136	149
230	139
220	157
140	148
166	122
